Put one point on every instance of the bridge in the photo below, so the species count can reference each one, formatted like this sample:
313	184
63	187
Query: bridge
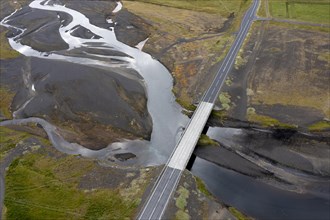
167	181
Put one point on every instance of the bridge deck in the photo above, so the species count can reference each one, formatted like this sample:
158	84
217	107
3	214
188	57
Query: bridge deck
190	138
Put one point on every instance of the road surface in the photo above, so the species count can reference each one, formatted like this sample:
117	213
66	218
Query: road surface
156	204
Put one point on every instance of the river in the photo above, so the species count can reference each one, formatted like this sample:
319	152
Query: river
285	188
167	118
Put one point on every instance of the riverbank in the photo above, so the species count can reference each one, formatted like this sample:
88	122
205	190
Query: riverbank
189	41
41	181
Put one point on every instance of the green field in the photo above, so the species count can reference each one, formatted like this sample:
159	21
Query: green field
38	186
312	11
6	52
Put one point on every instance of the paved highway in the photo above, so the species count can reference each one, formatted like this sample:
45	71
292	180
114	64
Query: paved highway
213	91
167	181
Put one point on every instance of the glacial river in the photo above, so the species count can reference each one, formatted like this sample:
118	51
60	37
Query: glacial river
167	118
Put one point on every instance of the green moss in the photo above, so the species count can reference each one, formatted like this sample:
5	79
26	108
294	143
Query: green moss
6	98
224	98
186	104
267	121
6	52
319	126
238	214
205	140
181	201
202	187
181	215
39	186
219	114
229	81
324	57
8	140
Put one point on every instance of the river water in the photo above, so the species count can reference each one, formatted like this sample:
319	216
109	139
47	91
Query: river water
258	199
289	193
165	112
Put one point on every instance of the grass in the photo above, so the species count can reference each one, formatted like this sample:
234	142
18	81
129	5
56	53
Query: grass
8	140
181	215
202	187
6	52
192	59
238	214
204	140
6	98
181	204
267	121
223	7
185	104
299	26
309	11
181	201
319	126
262	9
39	186
224	98
219	114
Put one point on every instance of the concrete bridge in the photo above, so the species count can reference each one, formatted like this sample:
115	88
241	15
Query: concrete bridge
167	181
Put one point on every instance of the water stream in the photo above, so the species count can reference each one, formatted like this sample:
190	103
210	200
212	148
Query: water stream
258	199
165	112
290	192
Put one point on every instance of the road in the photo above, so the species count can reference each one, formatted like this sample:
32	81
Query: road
212	93
167	181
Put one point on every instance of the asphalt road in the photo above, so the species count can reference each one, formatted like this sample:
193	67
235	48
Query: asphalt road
167	182
156	205
213	91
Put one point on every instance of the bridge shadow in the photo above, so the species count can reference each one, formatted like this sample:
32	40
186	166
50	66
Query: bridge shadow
193	156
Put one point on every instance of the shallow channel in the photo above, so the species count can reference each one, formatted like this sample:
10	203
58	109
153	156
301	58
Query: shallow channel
278	191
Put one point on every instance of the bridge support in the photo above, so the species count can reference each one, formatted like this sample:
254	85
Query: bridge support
205	129
191	162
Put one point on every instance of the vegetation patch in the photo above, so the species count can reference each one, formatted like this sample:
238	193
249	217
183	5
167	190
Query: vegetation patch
190	38
181	203
204	140
38	185
8	140
223	7
6	98
262	9
310	10
266	121
181	215
219	114
186	105
320	126
6	52
224	98
238	214
202	187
